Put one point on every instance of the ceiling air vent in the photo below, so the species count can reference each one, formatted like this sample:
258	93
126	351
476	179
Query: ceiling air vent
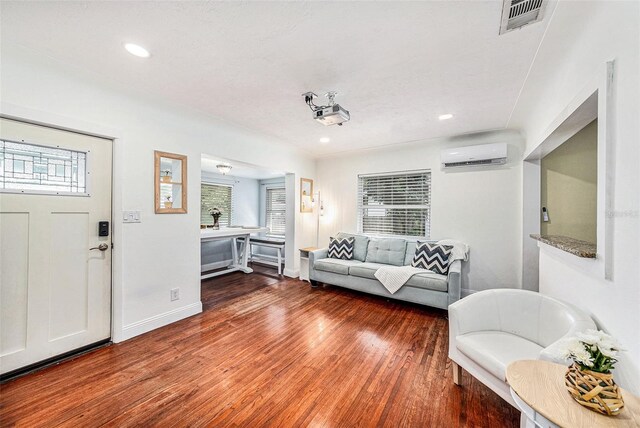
518	13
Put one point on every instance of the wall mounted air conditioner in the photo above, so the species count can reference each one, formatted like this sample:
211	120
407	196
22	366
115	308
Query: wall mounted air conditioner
480	155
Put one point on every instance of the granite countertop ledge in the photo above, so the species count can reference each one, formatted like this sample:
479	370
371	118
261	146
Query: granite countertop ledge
574	246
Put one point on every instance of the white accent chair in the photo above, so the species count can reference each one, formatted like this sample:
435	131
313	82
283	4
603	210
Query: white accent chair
490	329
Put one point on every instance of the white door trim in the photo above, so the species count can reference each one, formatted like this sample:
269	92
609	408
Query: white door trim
53	120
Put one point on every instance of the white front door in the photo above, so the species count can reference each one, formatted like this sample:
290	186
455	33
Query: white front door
55	290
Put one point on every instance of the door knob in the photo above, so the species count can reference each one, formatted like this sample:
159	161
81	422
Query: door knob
101	247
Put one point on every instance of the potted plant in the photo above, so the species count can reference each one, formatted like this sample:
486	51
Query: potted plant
168	203
215	213
166	175
589	379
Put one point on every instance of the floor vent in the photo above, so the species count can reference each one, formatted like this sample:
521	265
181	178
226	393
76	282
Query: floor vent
518	13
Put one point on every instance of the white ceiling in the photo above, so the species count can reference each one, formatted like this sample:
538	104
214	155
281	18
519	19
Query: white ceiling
397	65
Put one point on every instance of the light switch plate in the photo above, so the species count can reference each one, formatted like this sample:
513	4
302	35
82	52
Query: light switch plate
131	216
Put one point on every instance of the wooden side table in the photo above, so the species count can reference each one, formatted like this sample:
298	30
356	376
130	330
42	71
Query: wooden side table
538	389
304	262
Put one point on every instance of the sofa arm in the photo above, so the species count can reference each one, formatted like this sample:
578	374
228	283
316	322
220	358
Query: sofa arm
313	257
454	281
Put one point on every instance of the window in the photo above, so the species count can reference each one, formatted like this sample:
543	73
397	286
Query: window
215	196
395	203
39	169
276	211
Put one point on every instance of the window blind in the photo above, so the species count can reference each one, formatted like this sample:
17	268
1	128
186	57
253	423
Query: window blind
276	211
215	196
395	203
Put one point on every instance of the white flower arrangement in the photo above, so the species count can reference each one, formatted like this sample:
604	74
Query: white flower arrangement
592	350
215	213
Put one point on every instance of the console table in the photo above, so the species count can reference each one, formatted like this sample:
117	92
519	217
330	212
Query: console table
538	389
233	233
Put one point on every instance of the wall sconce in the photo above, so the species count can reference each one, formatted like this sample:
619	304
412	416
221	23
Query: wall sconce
316	197
314	200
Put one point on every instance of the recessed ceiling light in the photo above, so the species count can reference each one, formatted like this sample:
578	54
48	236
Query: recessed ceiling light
445	116
137	50
325	139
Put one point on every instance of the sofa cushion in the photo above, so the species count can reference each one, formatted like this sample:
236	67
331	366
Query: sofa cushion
365	270
429	281
495	350
389	251
335	265
341	248
426	280
410	252
359	246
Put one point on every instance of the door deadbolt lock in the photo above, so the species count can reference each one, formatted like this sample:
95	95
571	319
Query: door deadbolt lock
101	247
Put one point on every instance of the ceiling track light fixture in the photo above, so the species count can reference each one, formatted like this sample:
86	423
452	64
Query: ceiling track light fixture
329	114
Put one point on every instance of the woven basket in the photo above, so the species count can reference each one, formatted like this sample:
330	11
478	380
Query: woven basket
596	391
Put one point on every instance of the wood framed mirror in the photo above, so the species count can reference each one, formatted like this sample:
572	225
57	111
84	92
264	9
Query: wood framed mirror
170	180
306	195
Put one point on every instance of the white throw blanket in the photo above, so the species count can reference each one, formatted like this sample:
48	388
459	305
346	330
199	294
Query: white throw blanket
460	250
394	277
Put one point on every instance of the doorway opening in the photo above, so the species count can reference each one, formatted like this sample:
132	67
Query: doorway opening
246	218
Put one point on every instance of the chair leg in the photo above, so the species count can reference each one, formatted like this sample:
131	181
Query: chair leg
457	373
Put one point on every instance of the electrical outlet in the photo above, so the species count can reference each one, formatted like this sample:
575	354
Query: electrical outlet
175	294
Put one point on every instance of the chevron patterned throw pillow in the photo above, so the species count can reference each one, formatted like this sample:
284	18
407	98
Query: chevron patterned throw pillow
433	257
341	248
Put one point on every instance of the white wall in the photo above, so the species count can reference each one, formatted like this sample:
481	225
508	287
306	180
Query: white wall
530	224
145	267
480	206
581	37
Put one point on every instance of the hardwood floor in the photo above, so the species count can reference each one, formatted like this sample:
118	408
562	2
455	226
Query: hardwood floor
266	352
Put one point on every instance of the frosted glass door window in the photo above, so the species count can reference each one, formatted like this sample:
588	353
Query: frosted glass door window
39	169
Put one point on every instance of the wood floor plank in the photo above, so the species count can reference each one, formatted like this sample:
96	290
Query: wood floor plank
266	351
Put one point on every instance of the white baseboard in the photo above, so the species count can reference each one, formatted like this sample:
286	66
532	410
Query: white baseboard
157	321
215	265
291	273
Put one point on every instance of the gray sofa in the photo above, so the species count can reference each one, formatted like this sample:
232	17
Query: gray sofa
425	288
